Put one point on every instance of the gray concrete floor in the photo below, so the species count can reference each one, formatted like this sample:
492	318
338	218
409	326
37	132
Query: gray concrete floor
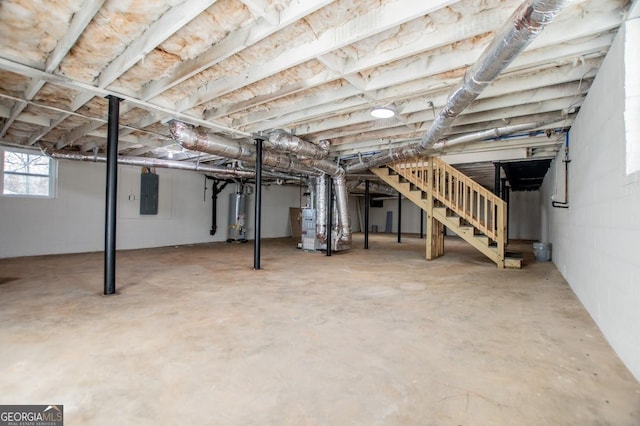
367	337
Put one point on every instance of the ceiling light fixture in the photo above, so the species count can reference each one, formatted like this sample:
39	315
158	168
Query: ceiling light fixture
383	112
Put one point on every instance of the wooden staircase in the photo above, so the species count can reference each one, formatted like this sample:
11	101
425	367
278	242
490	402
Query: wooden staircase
456	201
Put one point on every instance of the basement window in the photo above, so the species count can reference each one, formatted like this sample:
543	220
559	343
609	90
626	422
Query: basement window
632	94
27	174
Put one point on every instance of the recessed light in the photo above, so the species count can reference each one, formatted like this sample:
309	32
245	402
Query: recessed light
383	112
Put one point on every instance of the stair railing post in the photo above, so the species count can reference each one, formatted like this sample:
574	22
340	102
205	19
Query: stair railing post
502	233
430	231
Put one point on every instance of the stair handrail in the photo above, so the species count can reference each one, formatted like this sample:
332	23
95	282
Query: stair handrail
465	197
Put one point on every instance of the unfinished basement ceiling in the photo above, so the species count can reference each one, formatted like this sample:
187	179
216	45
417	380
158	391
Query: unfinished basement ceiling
312	68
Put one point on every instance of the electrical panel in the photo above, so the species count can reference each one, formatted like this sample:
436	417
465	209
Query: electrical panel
149	185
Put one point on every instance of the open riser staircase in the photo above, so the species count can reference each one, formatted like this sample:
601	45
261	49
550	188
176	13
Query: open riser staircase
456	201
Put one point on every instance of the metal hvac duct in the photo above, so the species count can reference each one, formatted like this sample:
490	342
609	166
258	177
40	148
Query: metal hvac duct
321	208
377	188
524	25
191	139
284	142
343	237
491	133
324	166
413	150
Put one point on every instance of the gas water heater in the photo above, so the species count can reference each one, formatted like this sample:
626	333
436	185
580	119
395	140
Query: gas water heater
237	230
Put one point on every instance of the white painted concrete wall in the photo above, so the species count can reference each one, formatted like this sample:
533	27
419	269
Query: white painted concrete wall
524	221
410	216
524	215
74	220
595	241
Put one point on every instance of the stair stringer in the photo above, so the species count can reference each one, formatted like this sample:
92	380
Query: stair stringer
419	196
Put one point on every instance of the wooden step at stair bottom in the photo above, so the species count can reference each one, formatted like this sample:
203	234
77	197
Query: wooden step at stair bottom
513	260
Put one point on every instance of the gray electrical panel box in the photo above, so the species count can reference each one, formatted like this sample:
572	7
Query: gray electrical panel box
149	193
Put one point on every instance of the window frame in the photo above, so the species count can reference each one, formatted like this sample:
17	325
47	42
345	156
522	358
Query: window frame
52	175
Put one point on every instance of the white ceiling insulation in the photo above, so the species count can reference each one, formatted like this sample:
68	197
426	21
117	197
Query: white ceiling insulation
312	68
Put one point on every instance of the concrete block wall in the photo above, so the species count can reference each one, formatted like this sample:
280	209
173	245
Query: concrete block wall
524	217
595	241
74	221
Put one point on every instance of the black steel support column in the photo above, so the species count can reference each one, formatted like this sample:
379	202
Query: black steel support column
258	206
421	223
503	188
496	181
329	212
111	196
506	195
367	202
399	217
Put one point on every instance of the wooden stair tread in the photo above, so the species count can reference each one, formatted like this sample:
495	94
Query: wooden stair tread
446	209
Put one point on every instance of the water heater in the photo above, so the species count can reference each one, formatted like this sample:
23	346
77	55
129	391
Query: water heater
237	230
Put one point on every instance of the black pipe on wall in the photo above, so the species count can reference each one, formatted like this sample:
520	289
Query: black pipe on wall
367	202
216	189
421	223
258	206
111	196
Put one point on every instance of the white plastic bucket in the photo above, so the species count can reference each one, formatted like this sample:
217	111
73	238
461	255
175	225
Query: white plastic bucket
542	251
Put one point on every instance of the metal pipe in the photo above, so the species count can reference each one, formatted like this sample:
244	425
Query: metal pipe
367	201
531	17
494	133
156	162
564	204
258	205
284	142
496	179
421	223
399	218
215	190
329	213
271	174
111	197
